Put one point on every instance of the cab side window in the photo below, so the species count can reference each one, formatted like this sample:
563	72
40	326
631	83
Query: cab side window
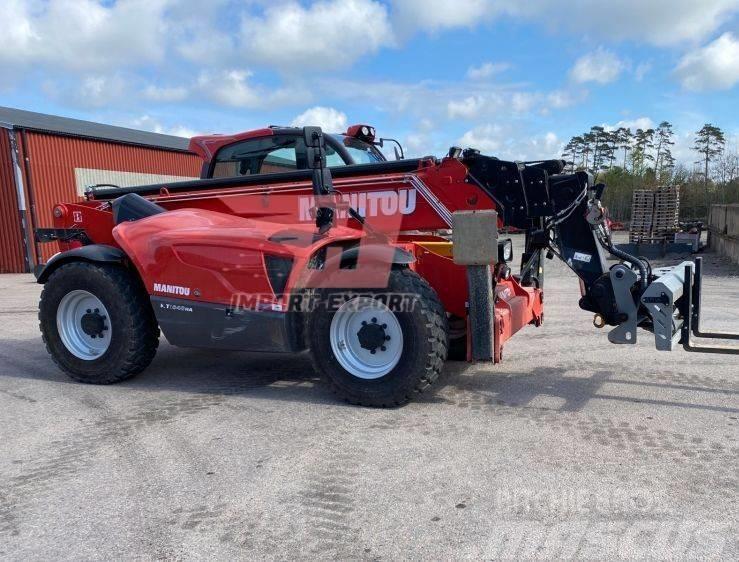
333	158
266	155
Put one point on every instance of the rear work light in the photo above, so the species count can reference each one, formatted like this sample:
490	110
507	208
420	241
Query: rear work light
364	133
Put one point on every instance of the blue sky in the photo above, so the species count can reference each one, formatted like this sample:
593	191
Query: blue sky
515	81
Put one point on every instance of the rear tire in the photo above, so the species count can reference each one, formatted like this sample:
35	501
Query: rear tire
418	324
123	315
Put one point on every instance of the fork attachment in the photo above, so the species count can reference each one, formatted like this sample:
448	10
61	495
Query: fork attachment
690	310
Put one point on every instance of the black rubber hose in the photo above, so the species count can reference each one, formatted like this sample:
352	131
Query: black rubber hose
632	260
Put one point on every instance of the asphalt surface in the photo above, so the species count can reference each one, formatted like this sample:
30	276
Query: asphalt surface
572	447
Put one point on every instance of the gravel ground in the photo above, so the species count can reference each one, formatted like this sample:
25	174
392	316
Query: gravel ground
572	447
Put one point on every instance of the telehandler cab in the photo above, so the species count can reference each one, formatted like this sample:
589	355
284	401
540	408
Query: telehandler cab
294	240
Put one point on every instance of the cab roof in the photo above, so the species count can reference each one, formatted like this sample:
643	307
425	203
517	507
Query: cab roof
206	146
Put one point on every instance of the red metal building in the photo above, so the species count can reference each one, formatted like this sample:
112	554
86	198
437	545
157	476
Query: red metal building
45	159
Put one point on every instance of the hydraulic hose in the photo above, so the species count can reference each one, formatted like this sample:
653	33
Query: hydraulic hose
643	280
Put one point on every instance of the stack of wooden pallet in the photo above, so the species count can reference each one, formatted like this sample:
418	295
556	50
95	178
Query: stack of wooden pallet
666	212
654	215
642	209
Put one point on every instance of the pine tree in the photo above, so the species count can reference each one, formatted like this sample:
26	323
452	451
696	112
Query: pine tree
588	149
709	142
640	155
625	139
611	146
570	153
597	134
663	160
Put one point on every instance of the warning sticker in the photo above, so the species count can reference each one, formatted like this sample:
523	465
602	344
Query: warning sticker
582	257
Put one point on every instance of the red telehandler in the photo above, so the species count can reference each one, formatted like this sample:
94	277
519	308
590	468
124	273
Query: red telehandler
296	240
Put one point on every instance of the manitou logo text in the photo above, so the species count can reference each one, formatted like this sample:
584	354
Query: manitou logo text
369	204
172	289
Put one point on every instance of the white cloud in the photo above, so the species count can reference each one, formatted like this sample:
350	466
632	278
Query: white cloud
633	124
329	119
82	35
470	107
89	91
559	99
512	143
545	146
148	123
518	103
523	102
230	88
197	34
416	143
96	35
642	69
485	138
426	138
327	34
486	70
165	94
600	66
97	91
660	22
713	67
435	15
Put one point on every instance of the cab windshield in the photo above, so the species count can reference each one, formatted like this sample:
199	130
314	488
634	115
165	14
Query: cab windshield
360	151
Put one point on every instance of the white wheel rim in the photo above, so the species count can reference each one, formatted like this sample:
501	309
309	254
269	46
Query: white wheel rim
78	335
346	342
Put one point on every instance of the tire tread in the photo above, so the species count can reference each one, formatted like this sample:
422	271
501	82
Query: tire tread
436	326
144	341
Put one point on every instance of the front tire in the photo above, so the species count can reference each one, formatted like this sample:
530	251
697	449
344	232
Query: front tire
374	350
97	322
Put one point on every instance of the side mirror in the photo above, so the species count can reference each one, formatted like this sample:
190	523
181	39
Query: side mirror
315	147
397	149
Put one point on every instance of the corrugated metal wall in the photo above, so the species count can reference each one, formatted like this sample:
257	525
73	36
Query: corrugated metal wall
52	159
11	237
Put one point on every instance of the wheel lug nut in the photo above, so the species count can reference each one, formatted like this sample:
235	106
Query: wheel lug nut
364	323
374	320
387	338
97	310
373	352
93	336
384	325
89	311
383	348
